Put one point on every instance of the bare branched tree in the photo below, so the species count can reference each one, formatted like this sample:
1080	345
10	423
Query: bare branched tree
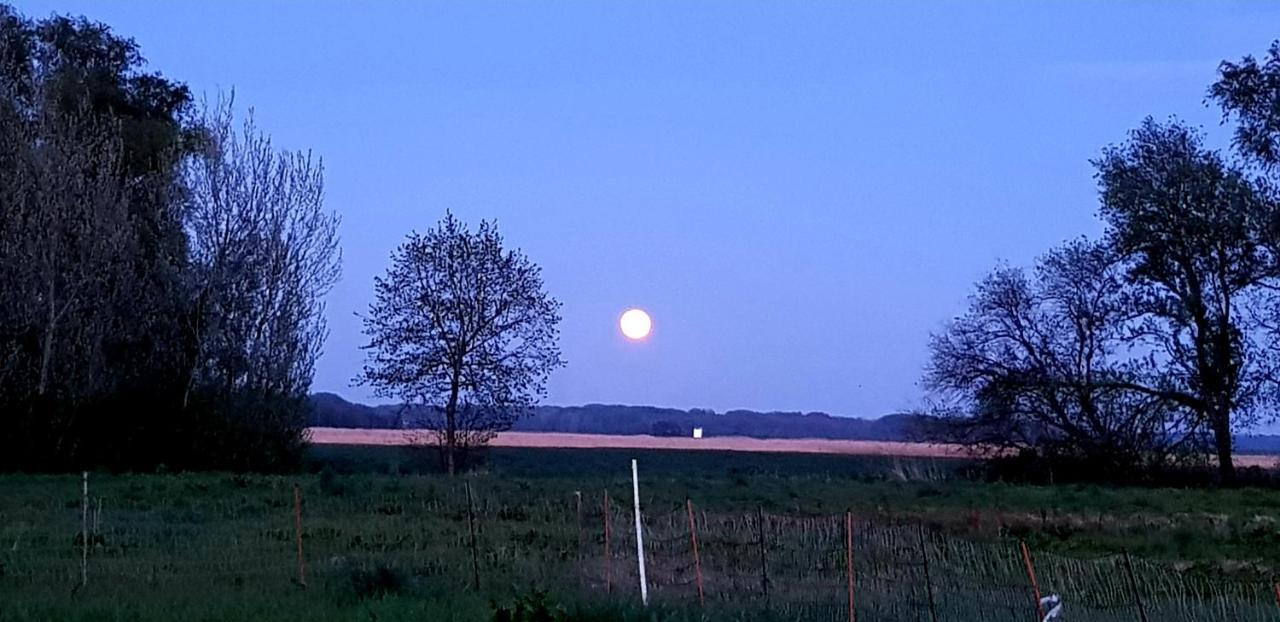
263	253
1050	362
462	331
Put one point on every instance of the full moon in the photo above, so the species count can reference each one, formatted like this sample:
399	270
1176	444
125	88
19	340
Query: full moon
635	324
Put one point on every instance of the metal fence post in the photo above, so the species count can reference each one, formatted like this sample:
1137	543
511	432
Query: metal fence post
848	555
84	529
928	582
764	569
297	528
697	562
475	554
1133	585
635	489
1031	574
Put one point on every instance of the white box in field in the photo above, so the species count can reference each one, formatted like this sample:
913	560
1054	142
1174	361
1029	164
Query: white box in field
697	432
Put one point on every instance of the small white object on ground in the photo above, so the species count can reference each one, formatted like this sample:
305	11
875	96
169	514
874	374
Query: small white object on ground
1052	606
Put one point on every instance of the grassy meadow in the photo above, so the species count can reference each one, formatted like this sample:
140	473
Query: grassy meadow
385	538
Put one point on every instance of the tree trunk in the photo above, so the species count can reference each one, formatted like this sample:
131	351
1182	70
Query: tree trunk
195	346
46	358
451	429
46	354
1221	421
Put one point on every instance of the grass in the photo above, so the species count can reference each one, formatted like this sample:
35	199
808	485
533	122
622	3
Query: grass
386	539
1197	525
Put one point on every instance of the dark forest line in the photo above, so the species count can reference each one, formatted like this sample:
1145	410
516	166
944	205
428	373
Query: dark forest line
331	410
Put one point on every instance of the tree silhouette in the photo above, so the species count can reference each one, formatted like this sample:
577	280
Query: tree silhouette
462	330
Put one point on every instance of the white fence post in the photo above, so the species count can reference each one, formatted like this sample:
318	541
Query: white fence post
635	488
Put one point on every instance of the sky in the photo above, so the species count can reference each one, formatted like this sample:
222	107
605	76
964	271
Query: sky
798	193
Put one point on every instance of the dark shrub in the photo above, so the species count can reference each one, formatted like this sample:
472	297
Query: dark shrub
376	580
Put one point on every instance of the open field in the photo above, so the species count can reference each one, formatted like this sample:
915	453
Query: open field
350	436
383	541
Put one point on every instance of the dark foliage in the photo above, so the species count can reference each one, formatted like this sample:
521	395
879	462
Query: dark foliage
668	428
463	332
1190	227
1044	468
1180	329
1249	92
1049	363
376	580
533	607
111	352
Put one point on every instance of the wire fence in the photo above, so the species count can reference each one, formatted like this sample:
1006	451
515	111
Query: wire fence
798	567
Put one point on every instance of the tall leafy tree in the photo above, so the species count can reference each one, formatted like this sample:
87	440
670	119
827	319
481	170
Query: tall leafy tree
1249	93
463	330
1190	226
65	241
89	171
161	276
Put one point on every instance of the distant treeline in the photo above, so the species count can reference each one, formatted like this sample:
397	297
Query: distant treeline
330	410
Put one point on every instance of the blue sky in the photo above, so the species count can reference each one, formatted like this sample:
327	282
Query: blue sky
799	193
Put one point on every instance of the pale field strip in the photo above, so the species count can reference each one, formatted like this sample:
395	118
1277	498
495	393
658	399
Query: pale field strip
352	436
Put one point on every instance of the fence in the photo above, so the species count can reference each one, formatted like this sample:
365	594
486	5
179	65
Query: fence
799	567
906	572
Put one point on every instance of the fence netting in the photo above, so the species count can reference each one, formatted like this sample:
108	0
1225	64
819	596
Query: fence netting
794	566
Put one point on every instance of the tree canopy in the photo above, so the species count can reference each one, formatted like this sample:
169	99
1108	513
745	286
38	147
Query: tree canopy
160	276
1174	330
461	326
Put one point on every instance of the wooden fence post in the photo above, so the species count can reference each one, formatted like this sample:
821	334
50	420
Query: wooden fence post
608	552
848	555
297	527
84	529
475	554
578	496
1031	574
764	569
928	581
1133	585
697	562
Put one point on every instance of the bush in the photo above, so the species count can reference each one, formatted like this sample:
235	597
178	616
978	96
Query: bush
1046	467
533	607
331	483
375	580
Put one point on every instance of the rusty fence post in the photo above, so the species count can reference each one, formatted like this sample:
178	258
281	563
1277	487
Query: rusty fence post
1031	574
928	581
697	561
848	555
297	528
475	553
